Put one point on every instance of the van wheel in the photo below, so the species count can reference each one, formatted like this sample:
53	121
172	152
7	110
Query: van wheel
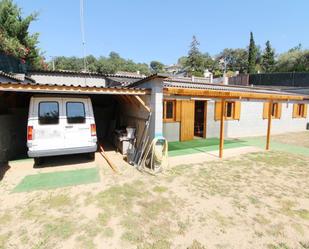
38	161
91	156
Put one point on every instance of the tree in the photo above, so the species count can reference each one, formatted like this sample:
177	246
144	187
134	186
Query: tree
252	56
268	58
294	60
106	65
236	59
15	39
157	67
195	62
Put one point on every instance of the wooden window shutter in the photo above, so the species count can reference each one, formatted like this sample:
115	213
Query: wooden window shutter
237	110
218	110
305	110
279	111
295	111
265	110
178	111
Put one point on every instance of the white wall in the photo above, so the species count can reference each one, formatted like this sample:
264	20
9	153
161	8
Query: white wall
171	131
251	121
156	105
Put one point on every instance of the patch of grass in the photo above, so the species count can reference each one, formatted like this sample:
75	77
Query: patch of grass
6	218
152	209
33	212
196	245
254	200
4	239
108	232
60	228
221	219
159	244
23	236
56	201
260	219
91	228
298	228
278	246
302	213
85	242
103	218
121	197
160	189
133	236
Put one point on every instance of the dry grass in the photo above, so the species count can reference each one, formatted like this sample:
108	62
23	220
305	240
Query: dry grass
294	138
260	200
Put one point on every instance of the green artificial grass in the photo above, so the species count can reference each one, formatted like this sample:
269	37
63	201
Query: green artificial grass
58	179
201	145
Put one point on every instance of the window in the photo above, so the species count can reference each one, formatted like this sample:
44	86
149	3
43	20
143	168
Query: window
229	110
299	111
75	112
275	110
48	112
232	110
168	110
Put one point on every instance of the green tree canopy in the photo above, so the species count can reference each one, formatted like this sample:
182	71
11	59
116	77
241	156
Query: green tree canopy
252	55
15	39
156	67
107	65
195	62
236	59
268	58
295	60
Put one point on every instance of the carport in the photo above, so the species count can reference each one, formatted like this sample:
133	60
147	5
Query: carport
113	107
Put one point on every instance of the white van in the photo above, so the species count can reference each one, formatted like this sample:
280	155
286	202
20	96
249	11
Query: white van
60	126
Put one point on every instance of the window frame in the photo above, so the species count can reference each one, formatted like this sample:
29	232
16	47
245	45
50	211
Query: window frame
39	110
165	119
67	116
300	110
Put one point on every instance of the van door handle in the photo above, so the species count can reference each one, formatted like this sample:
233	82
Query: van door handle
69	126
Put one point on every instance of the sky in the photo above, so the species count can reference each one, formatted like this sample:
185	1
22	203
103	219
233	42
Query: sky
146	30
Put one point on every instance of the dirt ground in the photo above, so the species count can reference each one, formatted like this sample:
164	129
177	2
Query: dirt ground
250	199
294	138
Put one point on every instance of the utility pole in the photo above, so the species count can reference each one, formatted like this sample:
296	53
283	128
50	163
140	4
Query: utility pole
82	28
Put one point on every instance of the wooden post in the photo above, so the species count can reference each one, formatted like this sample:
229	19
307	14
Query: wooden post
222	117
270	109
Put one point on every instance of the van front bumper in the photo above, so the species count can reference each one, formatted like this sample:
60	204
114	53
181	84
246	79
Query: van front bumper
59	152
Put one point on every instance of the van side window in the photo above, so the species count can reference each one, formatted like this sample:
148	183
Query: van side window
75	112
48	112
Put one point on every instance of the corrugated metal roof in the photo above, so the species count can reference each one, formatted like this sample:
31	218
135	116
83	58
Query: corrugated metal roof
204	86
72	85
70	72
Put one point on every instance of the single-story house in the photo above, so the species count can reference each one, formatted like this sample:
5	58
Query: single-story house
181	108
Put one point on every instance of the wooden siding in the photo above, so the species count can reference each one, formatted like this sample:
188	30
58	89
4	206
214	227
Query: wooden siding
187	120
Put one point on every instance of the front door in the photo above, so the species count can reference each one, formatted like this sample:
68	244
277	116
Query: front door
187	120
77	131
200	119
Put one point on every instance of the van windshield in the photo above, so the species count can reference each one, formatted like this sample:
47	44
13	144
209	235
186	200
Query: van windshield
48	112
75	112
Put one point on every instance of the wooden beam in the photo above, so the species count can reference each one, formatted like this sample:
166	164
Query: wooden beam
270	109
71	89
142	103
222	128
229	94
